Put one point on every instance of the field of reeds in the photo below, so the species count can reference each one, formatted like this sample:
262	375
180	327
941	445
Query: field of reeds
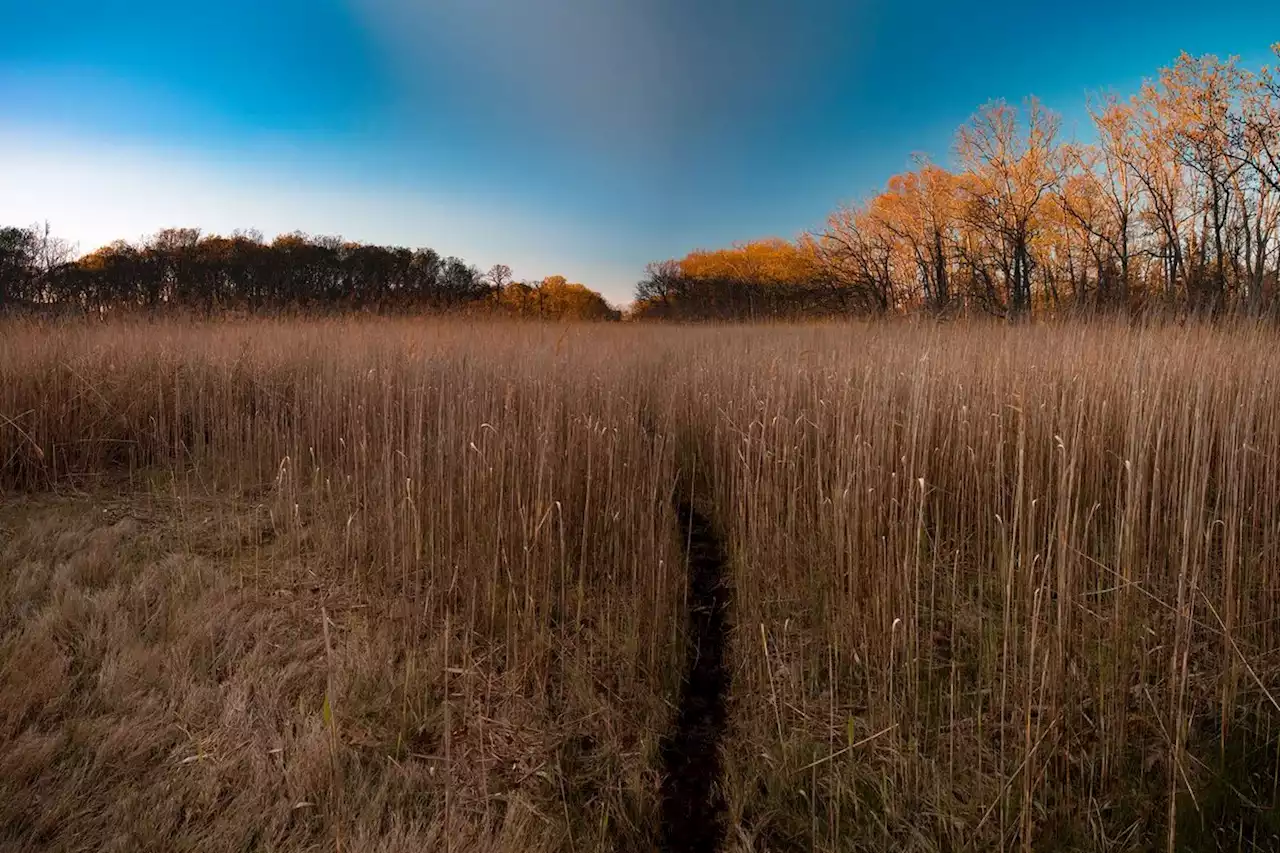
398	585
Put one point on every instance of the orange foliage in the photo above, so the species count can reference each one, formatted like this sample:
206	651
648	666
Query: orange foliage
555	298
768	261
1175	205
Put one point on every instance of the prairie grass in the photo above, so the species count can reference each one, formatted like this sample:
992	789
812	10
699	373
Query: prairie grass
477	514
397	585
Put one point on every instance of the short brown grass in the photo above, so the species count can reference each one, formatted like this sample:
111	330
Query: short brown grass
400	586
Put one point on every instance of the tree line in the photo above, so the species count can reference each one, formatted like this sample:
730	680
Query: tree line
185	270
1175	205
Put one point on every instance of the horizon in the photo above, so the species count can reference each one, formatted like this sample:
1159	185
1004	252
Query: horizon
474	130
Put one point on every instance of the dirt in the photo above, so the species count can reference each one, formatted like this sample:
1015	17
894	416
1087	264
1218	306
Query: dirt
693	807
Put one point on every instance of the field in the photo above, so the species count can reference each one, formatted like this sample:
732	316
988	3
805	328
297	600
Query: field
395	585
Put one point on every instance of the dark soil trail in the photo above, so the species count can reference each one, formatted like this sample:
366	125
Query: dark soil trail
693	808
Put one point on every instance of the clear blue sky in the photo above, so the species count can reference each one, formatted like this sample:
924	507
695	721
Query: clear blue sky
581	137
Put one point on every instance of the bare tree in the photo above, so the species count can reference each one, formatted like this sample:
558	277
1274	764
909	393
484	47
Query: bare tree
498	277
661	286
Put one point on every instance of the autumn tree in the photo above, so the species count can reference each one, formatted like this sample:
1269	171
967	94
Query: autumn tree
857	251
1012	163
1177	196
564	300
1258	131
554	298
1101	197
757	279
1195	99
1260	124
918	209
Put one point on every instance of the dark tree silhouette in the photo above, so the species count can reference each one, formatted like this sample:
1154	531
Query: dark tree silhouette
181	269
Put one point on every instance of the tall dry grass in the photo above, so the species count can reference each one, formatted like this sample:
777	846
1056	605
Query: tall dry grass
1000	588
474	517
995	588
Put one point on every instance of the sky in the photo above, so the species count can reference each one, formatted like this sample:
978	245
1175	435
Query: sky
575	137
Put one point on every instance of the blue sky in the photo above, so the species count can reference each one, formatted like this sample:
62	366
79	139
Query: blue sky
580	137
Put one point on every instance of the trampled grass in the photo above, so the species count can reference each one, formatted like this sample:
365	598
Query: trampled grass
397	585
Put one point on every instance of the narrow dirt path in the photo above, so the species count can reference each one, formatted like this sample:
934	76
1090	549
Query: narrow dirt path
693	807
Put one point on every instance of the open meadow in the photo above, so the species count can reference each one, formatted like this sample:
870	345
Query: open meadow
396	585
